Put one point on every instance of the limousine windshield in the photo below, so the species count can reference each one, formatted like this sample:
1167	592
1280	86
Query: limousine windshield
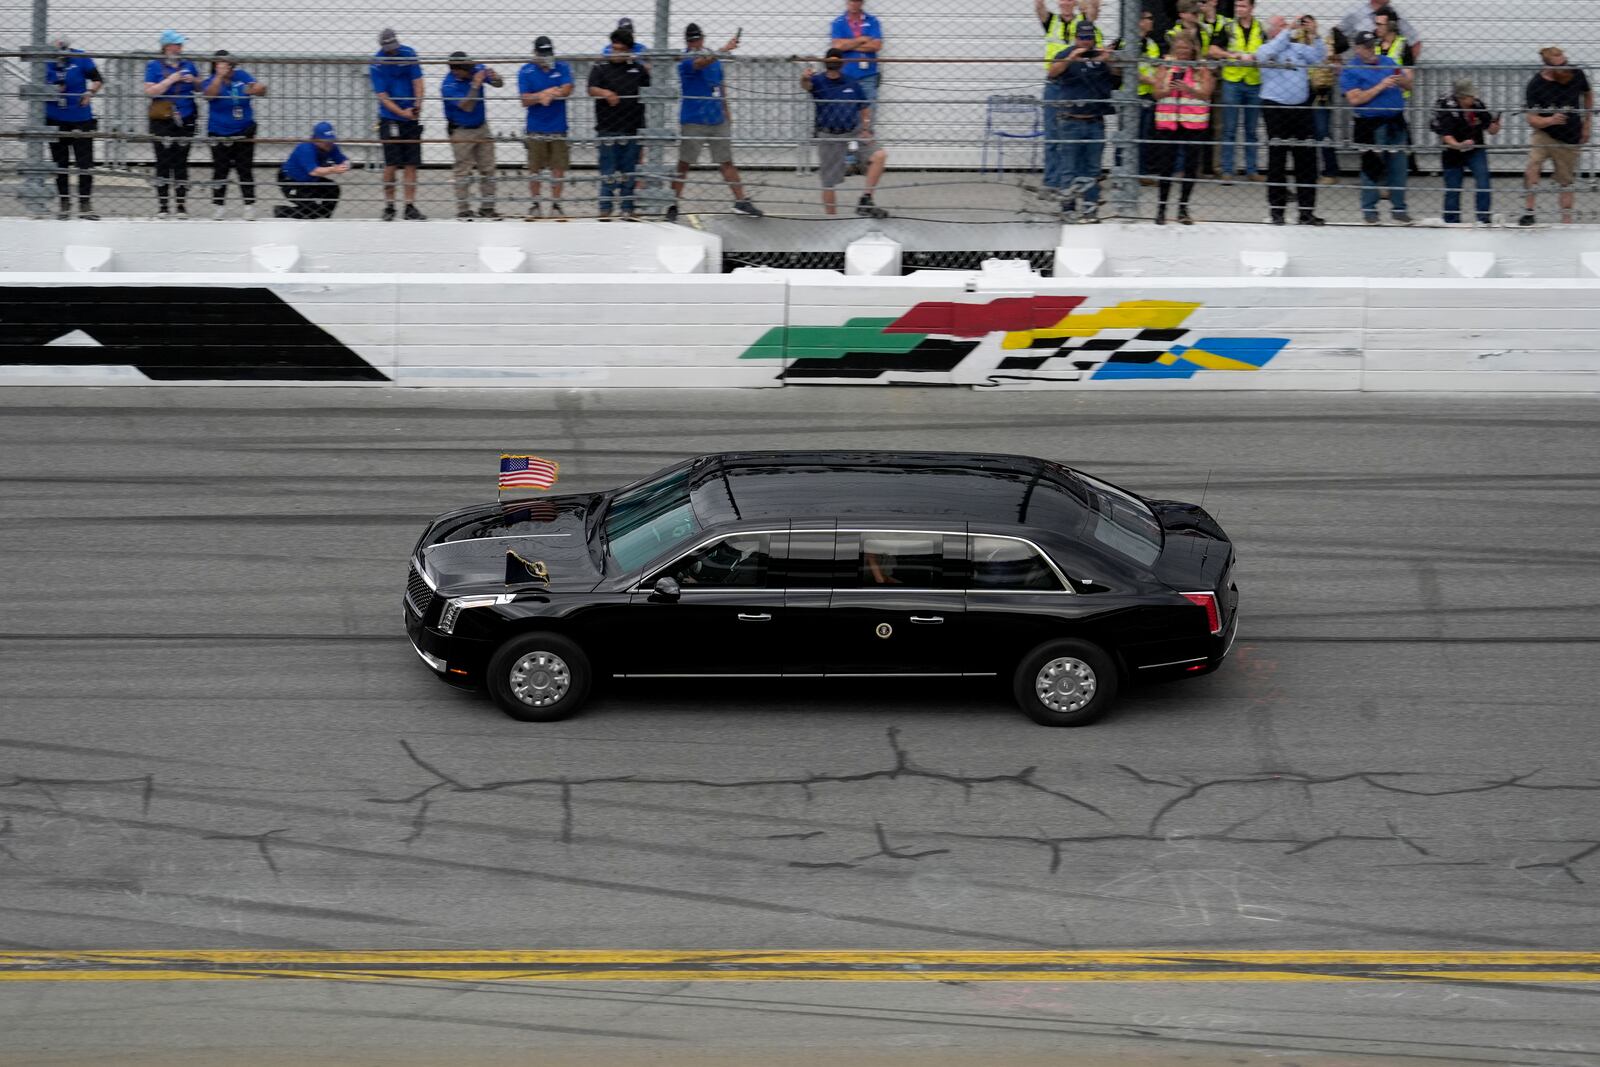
642	523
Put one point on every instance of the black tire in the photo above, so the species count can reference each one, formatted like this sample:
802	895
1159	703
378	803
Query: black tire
503	683
1101	673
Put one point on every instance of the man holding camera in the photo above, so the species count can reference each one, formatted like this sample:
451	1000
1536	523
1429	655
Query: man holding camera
703	120
397	81
471	144
1286	106
1560	107
1374	85
1084	78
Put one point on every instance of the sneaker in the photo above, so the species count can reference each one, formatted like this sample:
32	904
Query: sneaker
1402	218
555	210
463	215
219	213
88	216
1161	215
1371	218
1089	216
414	215
282	211
1226	179
671	214
535	213
63	215
745	207
1527	220
388	213
182	214
1308	218
1184	218
488	213
249	213
869	210
604	216
1276	218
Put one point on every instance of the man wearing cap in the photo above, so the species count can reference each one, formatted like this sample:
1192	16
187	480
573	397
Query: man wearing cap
1462	122
1085	77
1374	85
1560	108
840	130
615	85
544	86
467	124
76	80
306	177
231	128
703	119
625	24
1286	60
859	38
170	84
397	81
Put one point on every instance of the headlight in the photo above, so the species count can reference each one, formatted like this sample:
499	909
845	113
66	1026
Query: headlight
453	607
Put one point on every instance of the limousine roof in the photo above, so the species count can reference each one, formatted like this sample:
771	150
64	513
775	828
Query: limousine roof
952	486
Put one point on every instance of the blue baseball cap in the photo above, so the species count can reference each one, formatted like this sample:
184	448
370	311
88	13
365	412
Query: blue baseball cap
323	131
172	37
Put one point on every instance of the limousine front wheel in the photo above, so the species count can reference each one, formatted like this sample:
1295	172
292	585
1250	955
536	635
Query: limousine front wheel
1066	683
539	677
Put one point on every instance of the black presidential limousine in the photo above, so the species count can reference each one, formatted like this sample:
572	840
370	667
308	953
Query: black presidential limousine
827	565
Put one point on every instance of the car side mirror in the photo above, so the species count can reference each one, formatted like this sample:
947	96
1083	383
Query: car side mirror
666	589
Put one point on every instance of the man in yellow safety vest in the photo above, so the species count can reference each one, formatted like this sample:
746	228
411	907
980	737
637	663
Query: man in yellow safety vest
1060	30
1241	87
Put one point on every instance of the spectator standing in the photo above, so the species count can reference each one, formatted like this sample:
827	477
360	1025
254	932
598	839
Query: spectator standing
1086	77
1560	108
545	85
618	115
1285	61
76	80
1462	122
625	24
1149	52
840	131
704	121
1212	28
1393	44
170	84
397	81
1241	87
1183	109
231	127
1363	19
1324	77
467	124
859	38
306	177
1060	31
1374	86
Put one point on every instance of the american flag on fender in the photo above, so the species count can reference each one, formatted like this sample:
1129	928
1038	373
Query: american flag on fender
527	472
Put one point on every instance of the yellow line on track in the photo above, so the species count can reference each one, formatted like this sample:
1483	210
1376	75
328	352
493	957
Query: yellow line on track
761	965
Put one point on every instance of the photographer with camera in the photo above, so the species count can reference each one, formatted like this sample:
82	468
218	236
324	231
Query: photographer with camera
1285	60
1084	77
1462	121
170	83
1374	86
231	127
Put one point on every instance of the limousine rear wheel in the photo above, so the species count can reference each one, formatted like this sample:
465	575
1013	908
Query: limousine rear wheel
539	677
1066	683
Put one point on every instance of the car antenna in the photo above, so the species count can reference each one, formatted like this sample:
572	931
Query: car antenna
1207	487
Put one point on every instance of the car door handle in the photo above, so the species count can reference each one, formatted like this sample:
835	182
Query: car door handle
928	620
754	618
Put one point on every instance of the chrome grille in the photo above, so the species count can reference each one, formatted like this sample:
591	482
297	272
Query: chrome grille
419	597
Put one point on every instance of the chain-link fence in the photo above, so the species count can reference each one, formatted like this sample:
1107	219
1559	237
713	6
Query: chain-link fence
972	130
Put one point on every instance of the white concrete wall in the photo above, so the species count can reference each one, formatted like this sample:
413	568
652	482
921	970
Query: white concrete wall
767	328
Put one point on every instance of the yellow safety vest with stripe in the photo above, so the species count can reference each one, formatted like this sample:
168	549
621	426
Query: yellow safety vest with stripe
1396	50
1186	112
1148	70
1241	40
1203	34
1059	34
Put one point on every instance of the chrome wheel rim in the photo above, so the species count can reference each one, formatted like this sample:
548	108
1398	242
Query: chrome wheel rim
540	679
1065	684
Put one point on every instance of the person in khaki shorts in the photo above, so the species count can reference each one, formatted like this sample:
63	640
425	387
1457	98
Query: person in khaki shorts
1560	108
470	141
703	119
544	86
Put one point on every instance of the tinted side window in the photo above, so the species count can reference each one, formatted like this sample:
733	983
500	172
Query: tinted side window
887	558
736	561
1001	563
810	563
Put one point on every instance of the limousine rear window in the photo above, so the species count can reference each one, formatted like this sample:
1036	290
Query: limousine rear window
1122	522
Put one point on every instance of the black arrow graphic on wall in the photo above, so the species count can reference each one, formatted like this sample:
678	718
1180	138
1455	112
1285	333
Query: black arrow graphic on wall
173	333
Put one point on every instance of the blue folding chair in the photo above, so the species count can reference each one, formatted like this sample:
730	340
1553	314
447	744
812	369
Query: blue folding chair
1012	118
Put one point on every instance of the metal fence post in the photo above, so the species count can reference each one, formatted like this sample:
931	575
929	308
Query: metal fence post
654	196
1125	168
35	91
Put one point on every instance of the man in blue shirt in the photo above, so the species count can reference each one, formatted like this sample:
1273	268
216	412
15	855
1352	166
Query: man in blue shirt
703	119
471	144
1375	85
840	130
544	86
170	84
231	126
397	81
306	177
859	38
1084	77
76	80
1284	61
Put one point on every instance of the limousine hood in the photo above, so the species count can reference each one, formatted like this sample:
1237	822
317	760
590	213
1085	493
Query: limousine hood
466	550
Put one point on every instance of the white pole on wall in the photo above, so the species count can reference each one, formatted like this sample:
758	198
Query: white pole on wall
35	190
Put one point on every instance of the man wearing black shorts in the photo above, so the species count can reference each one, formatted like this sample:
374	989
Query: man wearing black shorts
397	79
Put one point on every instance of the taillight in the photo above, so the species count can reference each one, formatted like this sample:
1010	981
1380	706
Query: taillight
1209	602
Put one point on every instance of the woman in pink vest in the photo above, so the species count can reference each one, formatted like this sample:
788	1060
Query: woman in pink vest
1183	108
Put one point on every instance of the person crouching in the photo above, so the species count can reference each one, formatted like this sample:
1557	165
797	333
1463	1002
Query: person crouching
306	177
